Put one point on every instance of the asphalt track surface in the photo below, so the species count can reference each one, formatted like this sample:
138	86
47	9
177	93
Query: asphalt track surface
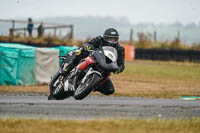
95	107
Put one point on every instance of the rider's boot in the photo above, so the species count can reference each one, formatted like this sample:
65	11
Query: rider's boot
96	87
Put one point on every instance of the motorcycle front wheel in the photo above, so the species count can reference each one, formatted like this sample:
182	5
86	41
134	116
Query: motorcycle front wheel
85	88
57	88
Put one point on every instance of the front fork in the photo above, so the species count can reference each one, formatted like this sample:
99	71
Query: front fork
90	71
54	80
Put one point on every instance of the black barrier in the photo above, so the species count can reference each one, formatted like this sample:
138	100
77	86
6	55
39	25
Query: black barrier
194	56
147	54
166	55
180	55
143	54
161	54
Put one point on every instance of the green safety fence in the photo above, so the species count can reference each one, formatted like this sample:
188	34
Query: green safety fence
17	63
8	66
65	49
26	67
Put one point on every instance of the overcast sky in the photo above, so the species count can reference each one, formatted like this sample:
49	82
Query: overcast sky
156	11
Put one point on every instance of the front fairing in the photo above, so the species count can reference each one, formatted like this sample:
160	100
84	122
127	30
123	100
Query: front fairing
100	56
110	53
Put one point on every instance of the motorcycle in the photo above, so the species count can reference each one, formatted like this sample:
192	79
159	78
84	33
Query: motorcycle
86	76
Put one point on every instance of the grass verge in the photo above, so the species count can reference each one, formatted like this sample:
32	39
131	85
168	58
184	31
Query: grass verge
158	79
17	125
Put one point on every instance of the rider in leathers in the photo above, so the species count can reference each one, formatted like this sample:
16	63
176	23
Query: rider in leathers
110	38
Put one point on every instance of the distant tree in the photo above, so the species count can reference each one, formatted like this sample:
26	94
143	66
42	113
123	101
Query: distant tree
176	24
144	41
175	44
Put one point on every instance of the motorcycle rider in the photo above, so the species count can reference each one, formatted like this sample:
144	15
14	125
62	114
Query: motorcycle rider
110	38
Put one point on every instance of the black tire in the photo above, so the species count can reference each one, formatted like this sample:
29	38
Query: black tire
57	88
84	89
61	94
52	82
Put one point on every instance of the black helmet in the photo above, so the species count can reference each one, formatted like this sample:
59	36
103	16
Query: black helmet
111	36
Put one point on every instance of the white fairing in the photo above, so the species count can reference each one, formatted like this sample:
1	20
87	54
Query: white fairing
111	53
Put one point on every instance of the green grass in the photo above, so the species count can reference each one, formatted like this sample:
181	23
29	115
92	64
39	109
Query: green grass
178	71
99	126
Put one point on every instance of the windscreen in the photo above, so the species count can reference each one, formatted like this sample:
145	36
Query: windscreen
111	53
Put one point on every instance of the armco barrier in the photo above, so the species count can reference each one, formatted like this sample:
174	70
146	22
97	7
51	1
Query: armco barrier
166	55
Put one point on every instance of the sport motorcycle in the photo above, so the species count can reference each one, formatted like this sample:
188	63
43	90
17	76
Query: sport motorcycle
90	72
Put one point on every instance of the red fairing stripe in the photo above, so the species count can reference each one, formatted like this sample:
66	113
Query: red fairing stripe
82	65
88	60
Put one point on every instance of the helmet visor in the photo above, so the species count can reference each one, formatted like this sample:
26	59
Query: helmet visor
112	39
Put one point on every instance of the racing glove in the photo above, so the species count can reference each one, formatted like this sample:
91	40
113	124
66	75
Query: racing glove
117	71
87	47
